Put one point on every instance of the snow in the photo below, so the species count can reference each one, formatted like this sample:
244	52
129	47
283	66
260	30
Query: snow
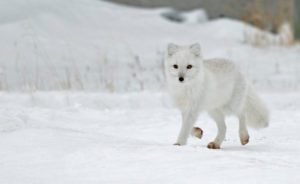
83	98
190	17
73	137
195	16
99	46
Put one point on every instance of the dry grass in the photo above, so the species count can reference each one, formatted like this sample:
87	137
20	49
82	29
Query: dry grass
277	20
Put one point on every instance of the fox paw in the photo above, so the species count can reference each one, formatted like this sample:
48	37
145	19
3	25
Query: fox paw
245	140
213	145
197	132
177	144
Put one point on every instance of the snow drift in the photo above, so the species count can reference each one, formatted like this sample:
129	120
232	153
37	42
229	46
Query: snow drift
95	45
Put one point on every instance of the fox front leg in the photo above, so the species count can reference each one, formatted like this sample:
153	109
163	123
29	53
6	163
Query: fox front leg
196	132
219	118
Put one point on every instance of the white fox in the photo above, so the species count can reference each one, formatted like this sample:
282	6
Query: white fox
215	86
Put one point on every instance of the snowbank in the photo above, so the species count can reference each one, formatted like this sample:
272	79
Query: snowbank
94	45
190	17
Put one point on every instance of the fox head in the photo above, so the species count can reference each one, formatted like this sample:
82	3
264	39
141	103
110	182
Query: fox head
183	63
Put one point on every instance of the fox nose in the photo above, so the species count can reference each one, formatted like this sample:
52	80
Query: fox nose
181	79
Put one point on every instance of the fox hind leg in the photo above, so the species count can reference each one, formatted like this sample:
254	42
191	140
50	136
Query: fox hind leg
243	131
237	101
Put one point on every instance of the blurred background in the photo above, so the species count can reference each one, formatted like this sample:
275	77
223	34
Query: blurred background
119	45
265	14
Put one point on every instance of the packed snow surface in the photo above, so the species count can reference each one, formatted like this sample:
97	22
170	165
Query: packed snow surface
71	137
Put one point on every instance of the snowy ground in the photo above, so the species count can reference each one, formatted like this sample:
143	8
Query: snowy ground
71	137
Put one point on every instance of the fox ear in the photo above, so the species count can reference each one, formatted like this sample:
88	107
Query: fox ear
172	48
195	49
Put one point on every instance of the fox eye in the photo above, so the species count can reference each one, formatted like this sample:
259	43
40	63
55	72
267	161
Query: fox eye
189	66
175	66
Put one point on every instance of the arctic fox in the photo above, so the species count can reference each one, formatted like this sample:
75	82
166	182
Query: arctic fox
214	86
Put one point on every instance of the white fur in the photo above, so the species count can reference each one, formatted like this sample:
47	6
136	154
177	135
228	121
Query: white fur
215	86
